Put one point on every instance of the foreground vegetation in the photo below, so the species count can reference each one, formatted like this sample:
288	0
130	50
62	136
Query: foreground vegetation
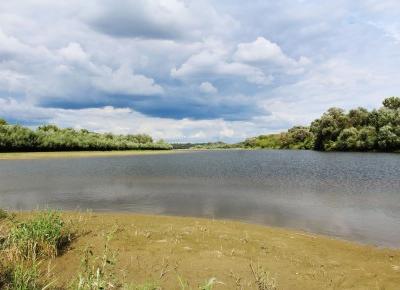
16	138
336	130
52	250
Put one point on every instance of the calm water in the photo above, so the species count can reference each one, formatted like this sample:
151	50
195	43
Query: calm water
349	195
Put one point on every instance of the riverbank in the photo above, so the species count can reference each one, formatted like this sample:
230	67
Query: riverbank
173	251
88	154
80	154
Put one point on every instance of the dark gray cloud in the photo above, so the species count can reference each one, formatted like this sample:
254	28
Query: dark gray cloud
165	20
132	19
171	107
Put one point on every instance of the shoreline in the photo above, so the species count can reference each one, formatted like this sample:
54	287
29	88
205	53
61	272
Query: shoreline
159	249
113	153
244	223
81	154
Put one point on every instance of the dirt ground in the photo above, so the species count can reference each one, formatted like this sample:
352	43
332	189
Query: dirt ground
164	250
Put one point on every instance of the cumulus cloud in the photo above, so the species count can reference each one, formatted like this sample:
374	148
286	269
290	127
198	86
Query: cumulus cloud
217	62
73	52
124	81
208	88
266	52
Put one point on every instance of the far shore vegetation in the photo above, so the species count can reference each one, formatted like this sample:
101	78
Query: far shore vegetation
93	251
336	130
16	138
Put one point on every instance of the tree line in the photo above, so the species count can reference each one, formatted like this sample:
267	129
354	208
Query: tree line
338	130
14	138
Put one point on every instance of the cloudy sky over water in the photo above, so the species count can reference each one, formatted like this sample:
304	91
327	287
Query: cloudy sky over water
194	70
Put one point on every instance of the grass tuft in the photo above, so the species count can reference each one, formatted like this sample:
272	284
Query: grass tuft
41	237
25	276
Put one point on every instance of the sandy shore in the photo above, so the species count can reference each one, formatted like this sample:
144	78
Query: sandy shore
82	154
163	249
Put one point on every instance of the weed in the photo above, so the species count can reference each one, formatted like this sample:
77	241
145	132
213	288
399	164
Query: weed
97	271
182	283
263	279
209	285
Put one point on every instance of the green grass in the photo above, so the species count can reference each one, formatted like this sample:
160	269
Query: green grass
26	245
41	237
26	276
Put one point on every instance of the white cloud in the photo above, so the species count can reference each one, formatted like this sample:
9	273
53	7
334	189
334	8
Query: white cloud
74	53
10	45
124	81
12	81
208	88
262	51
216	62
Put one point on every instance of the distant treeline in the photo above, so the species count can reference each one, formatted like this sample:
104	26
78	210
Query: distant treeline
336	130
14	138
208	145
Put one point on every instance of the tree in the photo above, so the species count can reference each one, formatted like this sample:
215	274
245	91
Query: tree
140	138
327	129
392	103
48	128
297	137
347	139
3	122
388	140
358	117
367	139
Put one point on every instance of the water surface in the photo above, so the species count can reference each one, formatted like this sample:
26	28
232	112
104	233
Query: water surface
354	196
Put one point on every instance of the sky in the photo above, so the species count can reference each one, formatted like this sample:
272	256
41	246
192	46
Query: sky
194	71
